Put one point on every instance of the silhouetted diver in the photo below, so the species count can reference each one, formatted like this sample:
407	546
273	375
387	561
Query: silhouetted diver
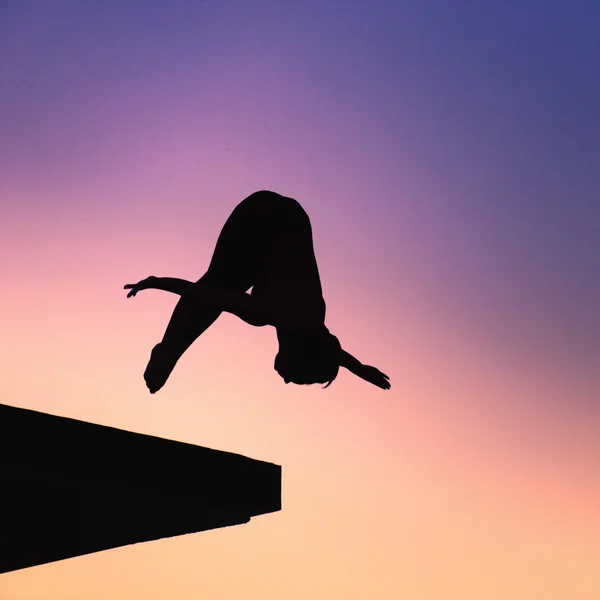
266	244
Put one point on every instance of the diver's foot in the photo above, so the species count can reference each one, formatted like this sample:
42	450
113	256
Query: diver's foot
159	368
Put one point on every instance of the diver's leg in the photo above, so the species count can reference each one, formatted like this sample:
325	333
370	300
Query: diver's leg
189	320
233	265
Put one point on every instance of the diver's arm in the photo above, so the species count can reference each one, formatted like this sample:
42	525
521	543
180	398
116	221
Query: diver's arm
349	362
238	303
181	287
244	306
366	372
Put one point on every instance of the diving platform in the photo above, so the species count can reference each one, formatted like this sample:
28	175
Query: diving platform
70	488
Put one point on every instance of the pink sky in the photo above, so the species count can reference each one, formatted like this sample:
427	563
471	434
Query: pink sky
450	179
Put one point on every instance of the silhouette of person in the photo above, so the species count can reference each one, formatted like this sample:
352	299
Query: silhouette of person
266	244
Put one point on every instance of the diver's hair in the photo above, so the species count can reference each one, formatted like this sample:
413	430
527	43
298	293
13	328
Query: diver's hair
332	350
312	356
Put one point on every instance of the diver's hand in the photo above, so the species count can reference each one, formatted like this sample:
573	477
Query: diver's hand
144	284
375	376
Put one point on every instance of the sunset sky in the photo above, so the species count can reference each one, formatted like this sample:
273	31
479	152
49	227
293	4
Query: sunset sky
448	154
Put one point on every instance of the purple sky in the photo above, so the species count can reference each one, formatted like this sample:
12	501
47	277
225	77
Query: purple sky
468	132
448	154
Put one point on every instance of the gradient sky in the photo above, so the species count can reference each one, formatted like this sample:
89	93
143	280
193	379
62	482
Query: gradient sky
448	154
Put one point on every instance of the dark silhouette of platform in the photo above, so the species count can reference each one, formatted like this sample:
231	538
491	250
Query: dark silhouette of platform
69	488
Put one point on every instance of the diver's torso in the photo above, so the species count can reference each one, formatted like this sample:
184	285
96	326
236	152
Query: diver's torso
288	281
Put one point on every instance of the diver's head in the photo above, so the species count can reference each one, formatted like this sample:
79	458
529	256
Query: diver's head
305	359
